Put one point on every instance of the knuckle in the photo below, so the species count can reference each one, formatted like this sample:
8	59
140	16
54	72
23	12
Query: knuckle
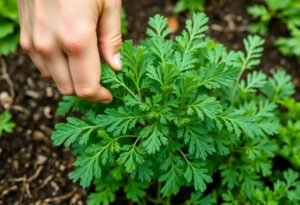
77	41
86	92
43	46
26	44
113	41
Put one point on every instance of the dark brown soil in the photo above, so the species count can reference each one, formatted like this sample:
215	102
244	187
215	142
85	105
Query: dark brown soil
32	170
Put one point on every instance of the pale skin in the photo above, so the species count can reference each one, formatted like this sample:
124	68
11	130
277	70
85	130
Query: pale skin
65	39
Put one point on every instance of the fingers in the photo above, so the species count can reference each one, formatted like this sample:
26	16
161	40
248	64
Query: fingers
61	39
79	42
60	72
109	29
28	47
40	64
84	63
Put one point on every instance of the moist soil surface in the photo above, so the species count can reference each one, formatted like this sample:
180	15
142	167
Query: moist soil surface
32	170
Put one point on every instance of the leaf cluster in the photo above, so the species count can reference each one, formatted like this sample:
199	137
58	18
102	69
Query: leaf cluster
289	137
9	38
286	11
182	114
189	6
6	125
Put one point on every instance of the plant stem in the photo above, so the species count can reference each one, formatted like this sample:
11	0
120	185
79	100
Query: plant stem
156	201
158	196
168	202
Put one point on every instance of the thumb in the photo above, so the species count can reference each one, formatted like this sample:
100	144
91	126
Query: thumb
110	33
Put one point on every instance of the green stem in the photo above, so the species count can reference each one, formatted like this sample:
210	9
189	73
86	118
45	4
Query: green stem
138	89
158	195
168	202
184	156
129	90
156	201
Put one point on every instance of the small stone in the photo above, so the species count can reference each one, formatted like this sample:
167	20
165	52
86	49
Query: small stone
49	92
41	159
31	83
6	100
62	168
39	136
32	94
47	112
16	164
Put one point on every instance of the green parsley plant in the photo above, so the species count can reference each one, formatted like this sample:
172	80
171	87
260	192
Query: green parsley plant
182	115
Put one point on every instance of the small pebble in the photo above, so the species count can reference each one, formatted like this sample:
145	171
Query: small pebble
47	112
38	136
16	164
49	92
41	159
62	168
30	83
5	100
32	94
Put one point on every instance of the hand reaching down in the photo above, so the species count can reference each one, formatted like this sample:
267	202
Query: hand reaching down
65	38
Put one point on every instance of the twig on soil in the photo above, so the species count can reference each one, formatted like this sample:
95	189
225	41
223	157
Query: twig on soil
8	191
26	181
27	189
30	179
6	77
20	179
60	198
46	181
20	109
36	174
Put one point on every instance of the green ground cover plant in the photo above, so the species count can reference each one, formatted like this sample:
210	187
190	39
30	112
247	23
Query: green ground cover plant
188	117
9	37
287	11
6	124
190	6
290	132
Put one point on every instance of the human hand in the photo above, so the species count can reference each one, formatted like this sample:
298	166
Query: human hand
64	38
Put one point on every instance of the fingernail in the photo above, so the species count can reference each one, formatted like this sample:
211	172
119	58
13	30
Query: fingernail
117	60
